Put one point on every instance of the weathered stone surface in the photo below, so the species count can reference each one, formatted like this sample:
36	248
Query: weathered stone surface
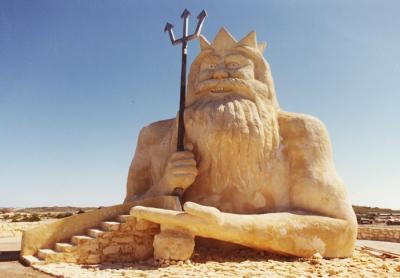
144	250
110	226
142	225
108	246
126	239
251	171
216	263
383	233
93	259
64	247
173	245
81	239
95	232
111	249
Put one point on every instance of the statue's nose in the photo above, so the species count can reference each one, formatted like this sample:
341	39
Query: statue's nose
220	74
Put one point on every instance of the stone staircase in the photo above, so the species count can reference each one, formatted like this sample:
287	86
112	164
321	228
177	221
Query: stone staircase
126	239
106	234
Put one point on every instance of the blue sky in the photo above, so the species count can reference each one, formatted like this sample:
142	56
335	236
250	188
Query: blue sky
78	79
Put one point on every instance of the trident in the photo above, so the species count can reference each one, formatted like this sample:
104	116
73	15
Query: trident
184	41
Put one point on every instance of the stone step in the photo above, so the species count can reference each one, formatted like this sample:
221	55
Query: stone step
64	247
110	226
125	218
77	240
43	253
29	260
95	232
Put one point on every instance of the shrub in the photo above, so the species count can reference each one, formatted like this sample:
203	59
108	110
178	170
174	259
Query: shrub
63	214
31	218
25	217
80	211
16	217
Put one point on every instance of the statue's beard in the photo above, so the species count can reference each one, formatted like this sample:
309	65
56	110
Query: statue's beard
234	138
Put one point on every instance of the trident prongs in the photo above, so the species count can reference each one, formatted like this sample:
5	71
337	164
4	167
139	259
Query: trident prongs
169	27
200	21
185	37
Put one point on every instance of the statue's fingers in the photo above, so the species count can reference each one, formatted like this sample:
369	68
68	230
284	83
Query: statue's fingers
181	156
184	171
183	162
162	216
204	212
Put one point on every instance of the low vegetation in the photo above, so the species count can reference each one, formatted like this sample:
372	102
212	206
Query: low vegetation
39	213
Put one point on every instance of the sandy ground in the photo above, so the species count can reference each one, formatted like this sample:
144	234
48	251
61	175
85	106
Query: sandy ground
212	263
16	270
243	263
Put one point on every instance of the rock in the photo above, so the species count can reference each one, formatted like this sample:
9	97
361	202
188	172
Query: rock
112	249
125	239
93	259
173	245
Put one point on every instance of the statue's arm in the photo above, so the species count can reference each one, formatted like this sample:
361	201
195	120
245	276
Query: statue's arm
315	185
173	169
141	182
287	233
328	224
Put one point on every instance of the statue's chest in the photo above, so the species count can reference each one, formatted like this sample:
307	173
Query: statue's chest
268	195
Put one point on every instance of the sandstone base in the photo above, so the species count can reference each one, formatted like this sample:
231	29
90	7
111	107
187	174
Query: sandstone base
173	245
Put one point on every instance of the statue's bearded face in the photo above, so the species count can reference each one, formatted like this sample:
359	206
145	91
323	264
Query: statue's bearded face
226	95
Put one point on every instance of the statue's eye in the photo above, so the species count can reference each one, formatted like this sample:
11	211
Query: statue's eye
233	65
212	66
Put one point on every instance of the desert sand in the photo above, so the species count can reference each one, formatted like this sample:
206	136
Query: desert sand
213	263
243	263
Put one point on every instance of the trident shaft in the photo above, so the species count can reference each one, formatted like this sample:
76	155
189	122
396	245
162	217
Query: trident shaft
184	41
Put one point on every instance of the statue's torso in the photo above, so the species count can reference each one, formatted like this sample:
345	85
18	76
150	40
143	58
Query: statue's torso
270	195
290	162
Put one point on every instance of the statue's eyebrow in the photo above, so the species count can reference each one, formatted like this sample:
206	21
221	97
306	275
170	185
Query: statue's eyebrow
236	57
211	59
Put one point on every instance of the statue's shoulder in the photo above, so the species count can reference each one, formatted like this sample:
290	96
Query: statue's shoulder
157	131
296	126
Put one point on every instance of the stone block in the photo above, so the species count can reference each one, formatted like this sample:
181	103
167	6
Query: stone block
126	218
126	239
126	249
112	249
143	251
77	240
173	245
93	259
65	247
110	226
95	232
142	225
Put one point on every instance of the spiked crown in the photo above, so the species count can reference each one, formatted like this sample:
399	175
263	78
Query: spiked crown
224	41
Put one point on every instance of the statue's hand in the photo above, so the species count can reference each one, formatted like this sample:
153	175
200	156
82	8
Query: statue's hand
181	170
196	218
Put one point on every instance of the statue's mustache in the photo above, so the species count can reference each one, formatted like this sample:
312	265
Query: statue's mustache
235	85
